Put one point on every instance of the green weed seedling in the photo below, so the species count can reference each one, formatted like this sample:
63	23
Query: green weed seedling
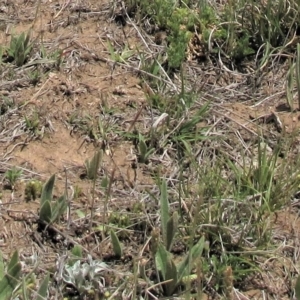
92	165
29	282
292	79
27	288
19	48
75	255
9	276
49	213
32	123
144	151
169	224
172	275
43	289
117	247
6	103
13	175
120	57
290	82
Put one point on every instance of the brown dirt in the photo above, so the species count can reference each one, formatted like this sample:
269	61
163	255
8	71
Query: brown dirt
83	87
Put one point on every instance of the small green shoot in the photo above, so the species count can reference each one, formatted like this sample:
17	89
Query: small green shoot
50	213
290	78
116	244
43	289
144	151
92	165
75	255
173	274
169	225
12	175
122	57
164	211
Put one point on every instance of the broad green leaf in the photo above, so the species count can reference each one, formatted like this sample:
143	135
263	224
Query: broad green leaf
142	148
2	273
47	190
161	258
166	266
164	210
172	226
92	166
116	244
13	261
195	252
58	208
46	212
10	280
297	288
171	274
42	292
76	255
77	251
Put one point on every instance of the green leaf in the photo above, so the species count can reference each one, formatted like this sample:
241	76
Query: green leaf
2	273
297	288
194	253
77	251
164	210
92	166
42	292
161	258
171	274
142	147
104	182
13	261
24	289
10	280
47	190
76	254
116	244
58	208
166	266
46	212
27	40
172	226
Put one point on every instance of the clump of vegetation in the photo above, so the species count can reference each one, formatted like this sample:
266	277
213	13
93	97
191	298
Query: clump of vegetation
236	30
50	213
33	190
13	175
19	49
